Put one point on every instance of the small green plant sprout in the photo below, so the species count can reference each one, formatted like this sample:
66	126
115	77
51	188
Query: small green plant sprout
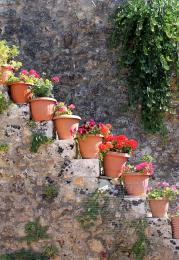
4	148
141	246
31	124
35	232
92	209
24	254
147	158
49	192
50	251
37	140
4	103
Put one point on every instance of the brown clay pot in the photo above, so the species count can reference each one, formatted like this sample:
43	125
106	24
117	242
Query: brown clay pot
175	226
159	208
42	109
20	92
65	125
114	163
136	184
4	74
89	146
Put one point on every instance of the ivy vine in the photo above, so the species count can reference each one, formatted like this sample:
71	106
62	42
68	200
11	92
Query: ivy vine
147	33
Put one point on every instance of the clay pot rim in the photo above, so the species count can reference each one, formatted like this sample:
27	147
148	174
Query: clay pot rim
20	83
43	99
98	135
158	200
135	174
67	116
119	154
174	217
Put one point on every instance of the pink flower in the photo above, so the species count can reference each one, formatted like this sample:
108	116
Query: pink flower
24	72
9	67
34	73
174	188
141	166
163	184
92	123
56	79
71	107
177	207
62	109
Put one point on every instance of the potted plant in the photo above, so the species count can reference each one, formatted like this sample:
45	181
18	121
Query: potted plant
136	177
7	64
159	197
66	124
115	150
20	85
175	223
42	104
89	137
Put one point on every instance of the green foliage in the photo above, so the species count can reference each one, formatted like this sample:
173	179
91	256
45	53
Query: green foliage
24	255
91	210
31	124
42	88
50	191
147	33
140	247
4	147
50	251
37	140
7	53
4	104
147	158
34	231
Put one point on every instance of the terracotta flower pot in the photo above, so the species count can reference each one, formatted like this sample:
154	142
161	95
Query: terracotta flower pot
159	208
136	184
175	226
89	146
65	125
114	163
4	74
20	92
42	109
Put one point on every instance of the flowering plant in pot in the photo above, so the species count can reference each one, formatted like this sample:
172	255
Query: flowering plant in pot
66	124
20	85
42	104
90	136
159	197
114	151
7	64
136	177
175	223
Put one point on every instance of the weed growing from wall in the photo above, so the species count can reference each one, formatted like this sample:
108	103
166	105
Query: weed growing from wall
37	140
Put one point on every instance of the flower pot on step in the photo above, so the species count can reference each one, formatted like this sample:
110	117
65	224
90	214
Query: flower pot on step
136	184
175	226
20	92
66	125
42	109
4	74
159	207
89	146
114	164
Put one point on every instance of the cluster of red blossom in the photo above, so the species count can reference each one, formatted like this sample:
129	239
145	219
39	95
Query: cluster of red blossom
118	143
92	127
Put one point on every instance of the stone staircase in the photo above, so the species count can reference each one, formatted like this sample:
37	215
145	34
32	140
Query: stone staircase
81	226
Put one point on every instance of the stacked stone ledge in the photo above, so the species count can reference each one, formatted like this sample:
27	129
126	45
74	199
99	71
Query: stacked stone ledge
22	176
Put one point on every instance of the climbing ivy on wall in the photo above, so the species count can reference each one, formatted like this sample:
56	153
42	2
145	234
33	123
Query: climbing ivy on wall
147	32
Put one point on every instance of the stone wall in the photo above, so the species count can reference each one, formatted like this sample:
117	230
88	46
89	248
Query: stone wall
87	216
69	37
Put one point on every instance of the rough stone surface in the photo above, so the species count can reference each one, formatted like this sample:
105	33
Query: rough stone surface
83	223
69	37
